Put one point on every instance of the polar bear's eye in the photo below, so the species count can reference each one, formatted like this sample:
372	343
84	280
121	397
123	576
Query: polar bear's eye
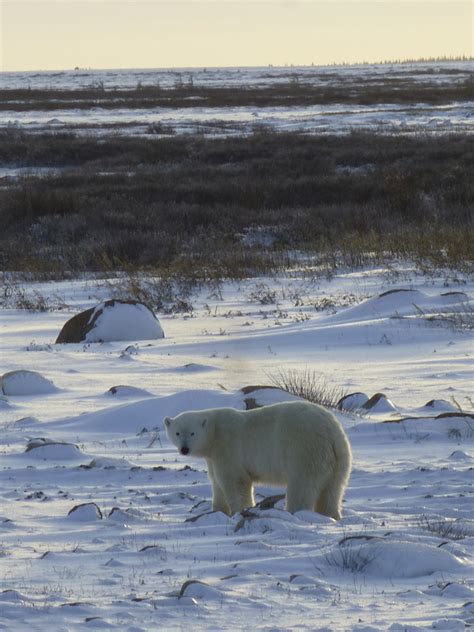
177	434
192	434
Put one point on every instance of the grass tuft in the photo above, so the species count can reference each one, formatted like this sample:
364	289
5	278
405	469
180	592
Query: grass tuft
309	385
450	529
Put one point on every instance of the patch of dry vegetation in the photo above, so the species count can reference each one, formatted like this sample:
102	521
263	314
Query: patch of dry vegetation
319	88
235	207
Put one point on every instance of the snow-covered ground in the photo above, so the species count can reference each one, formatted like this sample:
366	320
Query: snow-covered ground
228	121
406	118
149	555
443	73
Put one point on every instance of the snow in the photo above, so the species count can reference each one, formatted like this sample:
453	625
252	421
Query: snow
122	321
24	382
442	73
227	121
104	525
54	452
85	513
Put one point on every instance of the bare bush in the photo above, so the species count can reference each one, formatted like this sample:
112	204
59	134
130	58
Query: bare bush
458	317
262	294
309	385
311	194
351	558
167	294
13	296
444	528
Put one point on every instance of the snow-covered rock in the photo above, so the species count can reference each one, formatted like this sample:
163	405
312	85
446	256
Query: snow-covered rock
256	396
46	449
25	382
128	391
196	589
353	401
85	512
110	321
379	403
438	405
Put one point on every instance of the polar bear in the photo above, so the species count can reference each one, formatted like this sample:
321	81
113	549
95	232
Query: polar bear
295	444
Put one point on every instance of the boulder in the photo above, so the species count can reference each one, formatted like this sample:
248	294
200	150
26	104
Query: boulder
85	512
379	403
110	321
25	382
352	402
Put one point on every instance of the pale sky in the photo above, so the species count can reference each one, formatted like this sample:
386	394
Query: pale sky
62	34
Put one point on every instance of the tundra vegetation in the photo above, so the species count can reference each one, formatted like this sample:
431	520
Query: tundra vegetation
217	208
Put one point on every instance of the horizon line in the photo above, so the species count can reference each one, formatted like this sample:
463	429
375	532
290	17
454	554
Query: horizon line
203	67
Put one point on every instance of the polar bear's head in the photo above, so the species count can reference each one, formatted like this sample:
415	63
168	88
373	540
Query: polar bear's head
190	432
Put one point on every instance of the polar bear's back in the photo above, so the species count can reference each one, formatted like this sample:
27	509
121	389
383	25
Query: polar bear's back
274	440
288	418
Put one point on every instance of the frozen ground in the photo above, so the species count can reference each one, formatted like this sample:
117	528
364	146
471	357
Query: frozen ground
443	73
401	558
216	121
407	118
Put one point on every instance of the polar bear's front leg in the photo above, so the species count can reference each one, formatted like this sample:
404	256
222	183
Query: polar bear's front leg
237	489
219	502
239	496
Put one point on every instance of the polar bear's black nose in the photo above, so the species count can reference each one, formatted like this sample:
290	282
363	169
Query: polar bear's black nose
184	450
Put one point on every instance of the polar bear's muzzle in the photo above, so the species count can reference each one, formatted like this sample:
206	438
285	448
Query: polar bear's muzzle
184	450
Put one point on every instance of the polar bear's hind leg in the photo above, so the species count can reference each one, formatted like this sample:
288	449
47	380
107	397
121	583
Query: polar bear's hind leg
329	502
298	497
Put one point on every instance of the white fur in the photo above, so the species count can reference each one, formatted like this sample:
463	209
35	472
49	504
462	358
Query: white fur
297	444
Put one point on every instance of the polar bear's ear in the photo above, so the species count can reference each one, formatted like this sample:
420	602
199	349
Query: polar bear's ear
167	421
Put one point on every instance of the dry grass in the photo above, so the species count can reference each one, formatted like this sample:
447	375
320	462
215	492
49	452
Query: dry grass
320	89
185	205
309	385
445	528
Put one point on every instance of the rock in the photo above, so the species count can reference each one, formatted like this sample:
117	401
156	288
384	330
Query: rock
460	455
110	321
379	403
46	449
128	391
395	291
196	589
85	512
440	405
251	389
263	395
24	382
353	401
